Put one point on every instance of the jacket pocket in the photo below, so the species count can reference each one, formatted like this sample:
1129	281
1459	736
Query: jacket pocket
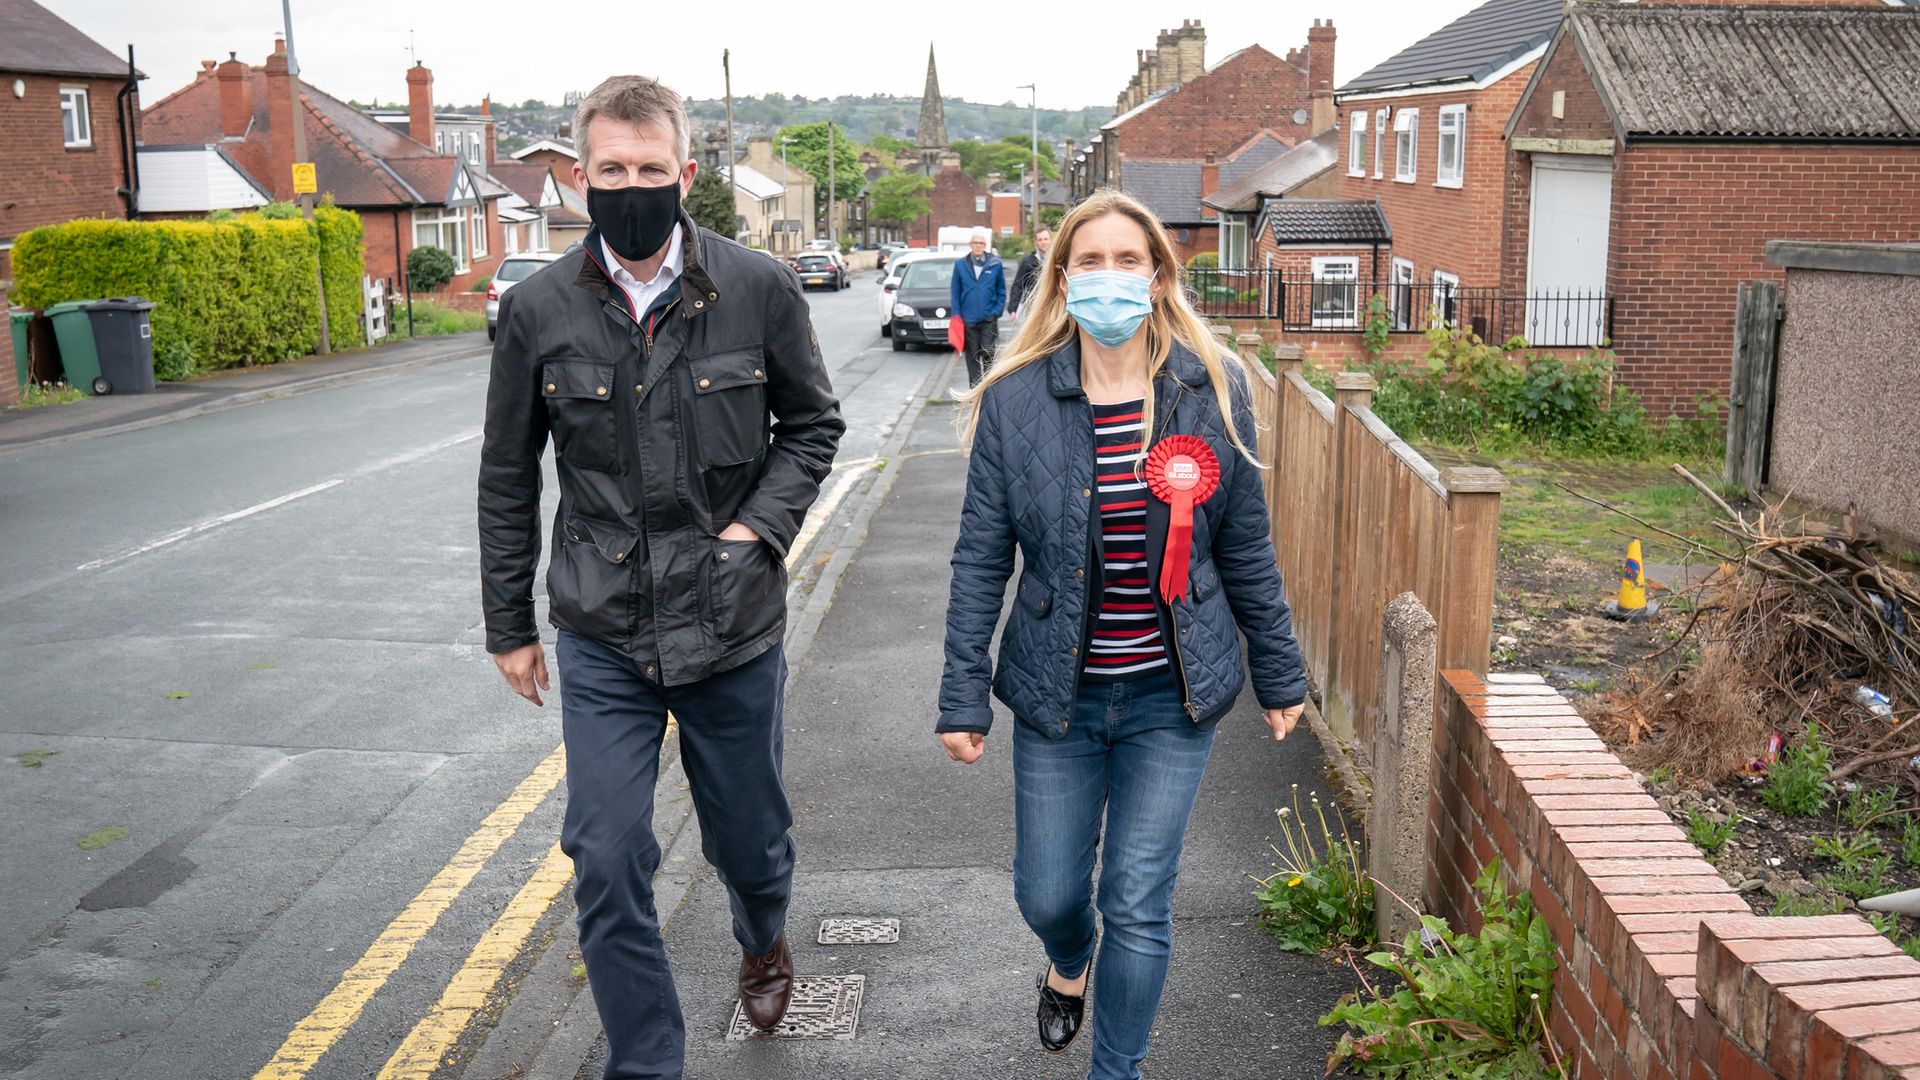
1206	582
591	580
1035	597
730	407
579	394
749	591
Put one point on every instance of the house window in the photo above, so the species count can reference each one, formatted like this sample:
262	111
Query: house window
1446	291
439	142
1357	144
1336	291
1006	230
445	228
1406	144
76	122
1401	298
474	142
979	204
1233	242
480	230
1451	147
1379	143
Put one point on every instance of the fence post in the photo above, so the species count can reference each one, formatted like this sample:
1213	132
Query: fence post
1756	326
1473	544
1351	390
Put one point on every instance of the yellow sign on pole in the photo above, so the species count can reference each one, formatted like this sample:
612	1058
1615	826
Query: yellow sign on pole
303	178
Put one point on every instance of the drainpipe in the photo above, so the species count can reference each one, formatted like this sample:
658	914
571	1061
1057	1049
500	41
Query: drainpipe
129	156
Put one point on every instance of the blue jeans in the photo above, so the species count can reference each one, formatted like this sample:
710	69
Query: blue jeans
1130	754
614	719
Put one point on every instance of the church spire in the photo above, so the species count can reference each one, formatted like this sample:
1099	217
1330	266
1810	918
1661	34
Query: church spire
933	116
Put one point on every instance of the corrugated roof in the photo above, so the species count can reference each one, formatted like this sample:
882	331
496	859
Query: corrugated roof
1684	71
1328	221
35	41
1468	49
1278	176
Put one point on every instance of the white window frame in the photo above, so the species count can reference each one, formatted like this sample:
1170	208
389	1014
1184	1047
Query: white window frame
444	223
1400	294
1357	143
75	110
1443	283
474	143
480	230
439	142
1406	146
1380	143
1335	272
1006	230
979	204
1233	243
1451	174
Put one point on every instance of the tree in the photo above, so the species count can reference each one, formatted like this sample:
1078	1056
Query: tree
1010	157
901	198
1049	166
887	144
809	151
710	203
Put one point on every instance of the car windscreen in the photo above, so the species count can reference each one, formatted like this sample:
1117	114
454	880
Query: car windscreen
928	274
517	269
815	262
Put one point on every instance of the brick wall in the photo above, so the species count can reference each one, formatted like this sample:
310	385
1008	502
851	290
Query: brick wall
1441	228
1642	924
47	182
1219	111
952	201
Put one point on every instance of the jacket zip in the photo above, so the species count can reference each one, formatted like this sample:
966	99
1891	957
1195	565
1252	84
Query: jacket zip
1173	639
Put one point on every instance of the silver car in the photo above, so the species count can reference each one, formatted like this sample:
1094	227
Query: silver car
513	268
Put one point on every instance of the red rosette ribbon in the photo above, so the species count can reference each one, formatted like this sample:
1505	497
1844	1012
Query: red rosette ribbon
1182	472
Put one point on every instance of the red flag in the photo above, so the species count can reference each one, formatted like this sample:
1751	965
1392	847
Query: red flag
956	333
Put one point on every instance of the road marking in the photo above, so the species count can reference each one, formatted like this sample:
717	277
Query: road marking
211	523
441	1028
823	508
313	1036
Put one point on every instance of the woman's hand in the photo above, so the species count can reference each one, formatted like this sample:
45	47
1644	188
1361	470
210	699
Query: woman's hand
964	747
1281	721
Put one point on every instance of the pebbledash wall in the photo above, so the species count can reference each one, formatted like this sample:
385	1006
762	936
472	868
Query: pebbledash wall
1663	974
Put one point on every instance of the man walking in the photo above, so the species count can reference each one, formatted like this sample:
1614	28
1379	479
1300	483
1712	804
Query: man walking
653	356
1025	278
979	296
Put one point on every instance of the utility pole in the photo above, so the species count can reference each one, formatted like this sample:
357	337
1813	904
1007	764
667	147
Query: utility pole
733	172
1033	102
785	189
300	155
833	223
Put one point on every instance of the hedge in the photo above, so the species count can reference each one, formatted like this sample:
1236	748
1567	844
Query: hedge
235	292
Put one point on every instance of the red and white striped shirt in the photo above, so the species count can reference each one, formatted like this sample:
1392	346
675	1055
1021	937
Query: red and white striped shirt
1126	627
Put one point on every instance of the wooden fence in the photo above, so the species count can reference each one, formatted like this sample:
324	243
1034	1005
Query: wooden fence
1360	517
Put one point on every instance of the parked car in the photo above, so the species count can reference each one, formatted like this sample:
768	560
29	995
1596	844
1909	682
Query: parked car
887	253
513	269
821	244
920	303
821	268
890	282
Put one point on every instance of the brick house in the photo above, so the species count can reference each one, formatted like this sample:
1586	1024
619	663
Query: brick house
567	224
534	194
1176	192
1658	148
956	199
1003	211
1422	135
405	192
68	126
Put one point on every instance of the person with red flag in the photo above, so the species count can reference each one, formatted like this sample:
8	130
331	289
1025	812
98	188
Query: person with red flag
1110	447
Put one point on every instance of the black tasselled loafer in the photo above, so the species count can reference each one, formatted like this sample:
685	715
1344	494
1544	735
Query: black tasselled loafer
1059	1015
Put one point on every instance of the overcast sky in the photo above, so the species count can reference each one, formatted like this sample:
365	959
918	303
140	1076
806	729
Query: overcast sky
514	51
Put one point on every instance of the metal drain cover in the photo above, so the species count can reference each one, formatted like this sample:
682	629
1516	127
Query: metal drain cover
824	1007
859	930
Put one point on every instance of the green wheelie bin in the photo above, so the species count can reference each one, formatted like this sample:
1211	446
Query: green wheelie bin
20	319
79	354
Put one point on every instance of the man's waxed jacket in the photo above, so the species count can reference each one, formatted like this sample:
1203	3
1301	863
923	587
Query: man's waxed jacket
661	432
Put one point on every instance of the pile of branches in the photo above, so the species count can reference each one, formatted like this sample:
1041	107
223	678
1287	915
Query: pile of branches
1784	633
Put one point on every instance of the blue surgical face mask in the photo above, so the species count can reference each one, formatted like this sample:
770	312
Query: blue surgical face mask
1110	305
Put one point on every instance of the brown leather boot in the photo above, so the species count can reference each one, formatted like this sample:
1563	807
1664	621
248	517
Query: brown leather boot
766	985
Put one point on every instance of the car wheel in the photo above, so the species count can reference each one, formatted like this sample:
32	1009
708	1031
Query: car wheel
899	346
885	329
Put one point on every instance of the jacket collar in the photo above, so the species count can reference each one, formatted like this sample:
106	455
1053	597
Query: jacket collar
698	287
1063	369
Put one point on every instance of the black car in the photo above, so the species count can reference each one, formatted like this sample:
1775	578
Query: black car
820	269
920	304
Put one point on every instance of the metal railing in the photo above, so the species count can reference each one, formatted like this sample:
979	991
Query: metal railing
1334	305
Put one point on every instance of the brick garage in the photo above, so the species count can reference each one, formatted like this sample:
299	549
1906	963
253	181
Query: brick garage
1672	102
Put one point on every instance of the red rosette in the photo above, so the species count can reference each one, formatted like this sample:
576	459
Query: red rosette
1183	472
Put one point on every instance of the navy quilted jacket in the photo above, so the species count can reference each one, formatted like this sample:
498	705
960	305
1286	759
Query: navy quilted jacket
1030	485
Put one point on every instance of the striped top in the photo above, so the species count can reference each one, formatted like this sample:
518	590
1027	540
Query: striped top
1126	628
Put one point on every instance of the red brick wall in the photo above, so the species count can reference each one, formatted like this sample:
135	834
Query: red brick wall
1442	228
1663	973
45	182
952	201
1219	111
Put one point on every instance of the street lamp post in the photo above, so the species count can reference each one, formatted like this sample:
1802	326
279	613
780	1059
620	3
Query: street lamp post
1033	103
784	185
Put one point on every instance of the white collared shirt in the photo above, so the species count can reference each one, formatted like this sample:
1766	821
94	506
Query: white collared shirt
643	293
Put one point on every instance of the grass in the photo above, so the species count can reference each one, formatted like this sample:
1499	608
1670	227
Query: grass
1707	834
100	838
34	395
1795	906
33	759
431	320
1537	513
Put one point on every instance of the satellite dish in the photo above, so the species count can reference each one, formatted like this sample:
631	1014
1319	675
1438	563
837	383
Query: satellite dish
1299	116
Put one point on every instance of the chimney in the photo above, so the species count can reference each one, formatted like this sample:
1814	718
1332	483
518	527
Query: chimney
420	103
280	121
1209	182
1166	60
1193	50
236	110
1320	75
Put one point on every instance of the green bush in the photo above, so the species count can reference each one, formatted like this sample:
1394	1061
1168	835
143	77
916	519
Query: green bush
431	320
173	362
429	267
232	292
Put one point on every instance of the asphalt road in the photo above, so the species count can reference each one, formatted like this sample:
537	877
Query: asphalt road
249	719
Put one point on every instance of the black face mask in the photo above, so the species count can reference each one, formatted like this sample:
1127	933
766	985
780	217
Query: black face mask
635	221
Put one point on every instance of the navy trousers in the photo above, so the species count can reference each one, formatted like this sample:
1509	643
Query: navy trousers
615	719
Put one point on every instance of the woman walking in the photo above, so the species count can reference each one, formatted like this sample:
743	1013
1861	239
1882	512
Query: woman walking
1110	446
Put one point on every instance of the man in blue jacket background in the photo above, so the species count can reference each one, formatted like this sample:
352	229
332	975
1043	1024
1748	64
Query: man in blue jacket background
979	298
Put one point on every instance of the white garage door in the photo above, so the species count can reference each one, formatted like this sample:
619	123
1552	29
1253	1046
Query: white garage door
1567	250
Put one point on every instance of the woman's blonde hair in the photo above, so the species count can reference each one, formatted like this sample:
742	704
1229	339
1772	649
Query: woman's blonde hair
1047	328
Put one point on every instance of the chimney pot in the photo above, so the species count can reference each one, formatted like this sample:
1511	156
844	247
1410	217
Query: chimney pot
420	104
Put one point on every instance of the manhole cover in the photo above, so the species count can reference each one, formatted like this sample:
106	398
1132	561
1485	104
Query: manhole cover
824	1007
859	931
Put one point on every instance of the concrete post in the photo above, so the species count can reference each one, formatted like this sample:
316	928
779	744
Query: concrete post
1402	754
